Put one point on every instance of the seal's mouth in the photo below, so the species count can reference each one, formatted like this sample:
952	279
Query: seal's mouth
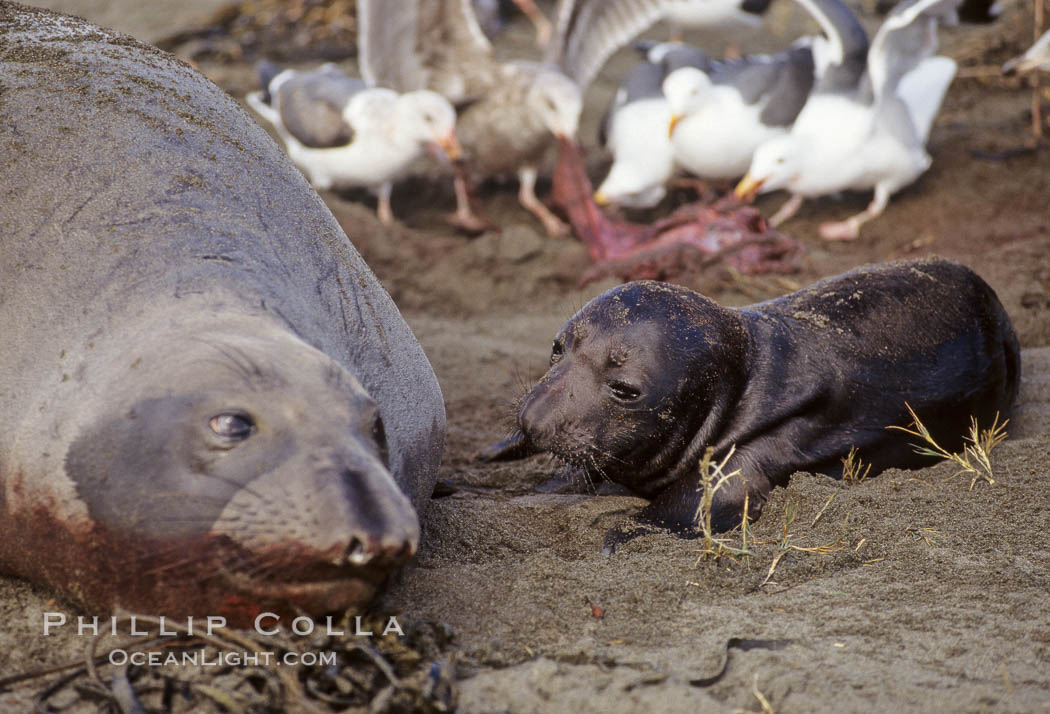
316	597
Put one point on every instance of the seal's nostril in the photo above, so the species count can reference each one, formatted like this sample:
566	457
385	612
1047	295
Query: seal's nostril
356	554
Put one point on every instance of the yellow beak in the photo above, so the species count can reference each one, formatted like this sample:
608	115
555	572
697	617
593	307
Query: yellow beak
748	187
675	118
450	145
600	198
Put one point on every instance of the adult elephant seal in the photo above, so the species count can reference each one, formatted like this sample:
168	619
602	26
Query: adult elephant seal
648	375
208	404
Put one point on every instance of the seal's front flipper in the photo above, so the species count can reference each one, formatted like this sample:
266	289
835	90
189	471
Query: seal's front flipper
672	511
678	510
512	448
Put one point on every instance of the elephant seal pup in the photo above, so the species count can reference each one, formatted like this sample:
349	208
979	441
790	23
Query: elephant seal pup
647	375
208	403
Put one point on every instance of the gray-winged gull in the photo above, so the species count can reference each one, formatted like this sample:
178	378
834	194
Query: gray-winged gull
634	128
723	112
341	132
866	122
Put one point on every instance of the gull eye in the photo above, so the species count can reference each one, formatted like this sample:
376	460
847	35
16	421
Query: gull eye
232	426
624	392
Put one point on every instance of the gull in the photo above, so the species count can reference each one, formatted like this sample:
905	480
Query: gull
634	128
722	112
342	132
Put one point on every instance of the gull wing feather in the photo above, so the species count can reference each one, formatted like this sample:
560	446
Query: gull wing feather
311	106
387	44
423	44
587	32
906	38
842	57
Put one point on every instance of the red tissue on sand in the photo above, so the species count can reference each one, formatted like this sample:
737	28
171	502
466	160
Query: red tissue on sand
692	238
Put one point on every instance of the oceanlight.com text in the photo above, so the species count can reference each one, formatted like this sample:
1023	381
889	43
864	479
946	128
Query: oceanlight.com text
201	658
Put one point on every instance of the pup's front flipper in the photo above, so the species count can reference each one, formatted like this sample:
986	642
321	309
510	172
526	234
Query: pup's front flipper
677	510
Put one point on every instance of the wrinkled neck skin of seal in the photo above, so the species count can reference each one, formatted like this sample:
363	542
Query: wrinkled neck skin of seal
218	465
642	380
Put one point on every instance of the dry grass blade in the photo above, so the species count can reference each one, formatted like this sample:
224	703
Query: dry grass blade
786	546
773	566
853	469
712	478
929	535
979	448
820	513
767	708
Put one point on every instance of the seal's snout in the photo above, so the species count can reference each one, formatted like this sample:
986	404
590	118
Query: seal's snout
375	522
538	417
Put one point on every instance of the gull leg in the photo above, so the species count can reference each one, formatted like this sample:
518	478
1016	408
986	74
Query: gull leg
788	210
465	218
849	229
383	211
527	197
539	20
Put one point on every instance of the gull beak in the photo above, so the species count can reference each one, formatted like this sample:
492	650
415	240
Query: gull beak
450	145
600	198
674	122
748	187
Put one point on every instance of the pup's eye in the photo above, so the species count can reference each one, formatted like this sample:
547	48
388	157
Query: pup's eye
624	392
557	349
235	427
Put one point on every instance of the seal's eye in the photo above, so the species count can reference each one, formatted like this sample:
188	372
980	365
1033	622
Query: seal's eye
235	427
624	392
557	349
379	434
